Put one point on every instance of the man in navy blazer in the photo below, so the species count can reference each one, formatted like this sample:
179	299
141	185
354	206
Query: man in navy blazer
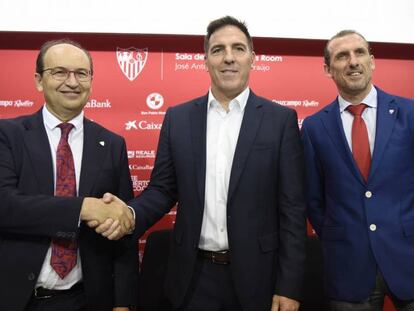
104	277
366	224
234	163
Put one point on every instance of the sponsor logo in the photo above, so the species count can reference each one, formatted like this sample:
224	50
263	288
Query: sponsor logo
93	103
141	167
142	125
138	185
155	101
6	103
131	61
310	103
141	154
297	103
16	103
131	125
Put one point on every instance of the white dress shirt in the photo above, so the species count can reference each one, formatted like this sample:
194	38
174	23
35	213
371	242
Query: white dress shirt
222	134
369	115
48	278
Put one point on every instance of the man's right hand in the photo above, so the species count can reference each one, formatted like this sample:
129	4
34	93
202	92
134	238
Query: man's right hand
110	216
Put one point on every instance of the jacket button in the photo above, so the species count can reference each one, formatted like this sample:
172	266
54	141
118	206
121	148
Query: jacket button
372	227
368	194
31	276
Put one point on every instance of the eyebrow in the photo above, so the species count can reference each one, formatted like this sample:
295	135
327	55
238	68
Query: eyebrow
233	45
66	68
345	52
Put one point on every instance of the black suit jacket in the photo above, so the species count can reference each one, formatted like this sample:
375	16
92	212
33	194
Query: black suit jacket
30	214
265	206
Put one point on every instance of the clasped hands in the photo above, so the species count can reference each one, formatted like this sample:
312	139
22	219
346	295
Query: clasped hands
109	216
281	303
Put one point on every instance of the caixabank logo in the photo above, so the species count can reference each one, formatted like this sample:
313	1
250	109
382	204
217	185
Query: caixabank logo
131	61
98	104
142	125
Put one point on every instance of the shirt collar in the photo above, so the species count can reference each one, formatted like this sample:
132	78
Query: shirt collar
370	100
52	122
240	99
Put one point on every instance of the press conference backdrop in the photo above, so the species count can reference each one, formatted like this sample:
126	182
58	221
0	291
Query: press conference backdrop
137	77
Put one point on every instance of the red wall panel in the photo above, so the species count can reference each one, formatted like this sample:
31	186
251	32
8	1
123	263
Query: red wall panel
287	71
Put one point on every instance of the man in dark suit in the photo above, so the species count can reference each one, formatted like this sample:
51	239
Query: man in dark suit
234	163
360	172
49	258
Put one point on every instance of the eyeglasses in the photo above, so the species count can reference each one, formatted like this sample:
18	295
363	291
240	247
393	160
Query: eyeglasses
62	74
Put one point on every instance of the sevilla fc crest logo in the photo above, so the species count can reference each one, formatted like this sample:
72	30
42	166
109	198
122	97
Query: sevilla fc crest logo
131	61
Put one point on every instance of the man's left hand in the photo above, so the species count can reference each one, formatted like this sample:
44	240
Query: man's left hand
121	309
281	303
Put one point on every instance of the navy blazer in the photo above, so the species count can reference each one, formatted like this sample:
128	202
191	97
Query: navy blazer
265	206
364	226
30	214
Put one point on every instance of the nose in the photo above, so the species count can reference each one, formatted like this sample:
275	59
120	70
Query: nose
71	79
229	56
353	60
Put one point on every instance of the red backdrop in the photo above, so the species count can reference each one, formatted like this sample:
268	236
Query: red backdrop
132	88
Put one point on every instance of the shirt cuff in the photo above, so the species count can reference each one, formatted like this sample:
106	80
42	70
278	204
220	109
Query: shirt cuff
133	213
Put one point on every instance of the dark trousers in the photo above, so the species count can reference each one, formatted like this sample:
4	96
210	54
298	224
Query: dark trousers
375	301
71	301
211	289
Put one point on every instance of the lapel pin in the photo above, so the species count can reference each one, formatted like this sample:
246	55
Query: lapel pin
102	143
391	111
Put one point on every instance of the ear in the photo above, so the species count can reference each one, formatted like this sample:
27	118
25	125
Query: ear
327	70
39	82
253	56
372	62
206	61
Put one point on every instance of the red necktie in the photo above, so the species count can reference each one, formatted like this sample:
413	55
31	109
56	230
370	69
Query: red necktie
64	251
360	142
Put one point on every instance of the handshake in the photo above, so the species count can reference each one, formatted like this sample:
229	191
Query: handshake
109	216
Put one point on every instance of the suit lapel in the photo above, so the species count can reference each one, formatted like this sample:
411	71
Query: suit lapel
251	122
198	124
387	113
38	150
333	125
95	149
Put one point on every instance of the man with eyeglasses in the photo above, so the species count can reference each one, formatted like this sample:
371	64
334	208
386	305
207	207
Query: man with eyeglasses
55	165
